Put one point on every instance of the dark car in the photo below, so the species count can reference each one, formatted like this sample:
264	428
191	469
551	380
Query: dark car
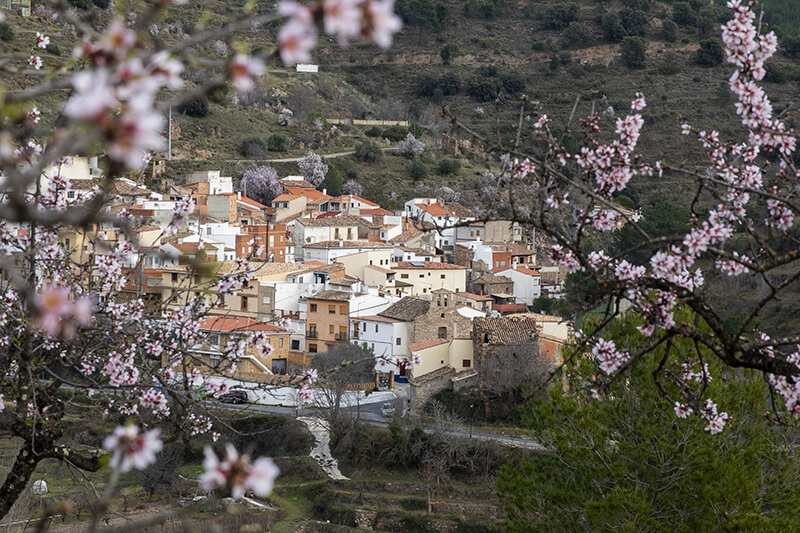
234	396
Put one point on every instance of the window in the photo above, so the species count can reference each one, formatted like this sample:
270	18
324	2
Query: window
403	276
174	274
422	275
330	329
342	309
313	308
244	303
213	339
331	309
71	194
370	262
266	300
442	333
279	367
280	342
312	348
442	276
376	328
364	324
398	341
295	344
66	243
466	363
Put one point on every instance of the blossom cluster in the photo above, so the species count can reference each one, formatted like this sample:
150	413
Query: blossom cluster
237	473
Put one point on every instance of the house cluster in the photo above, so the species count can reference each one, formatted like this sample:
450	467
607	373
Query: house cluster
430	280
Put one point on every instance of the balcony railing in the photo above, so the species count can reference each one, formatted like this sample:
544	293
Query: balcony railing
311	334
510	308
342	336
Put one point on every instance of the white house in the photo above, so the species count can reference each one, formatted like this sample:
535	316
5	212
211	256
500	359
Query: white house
527	283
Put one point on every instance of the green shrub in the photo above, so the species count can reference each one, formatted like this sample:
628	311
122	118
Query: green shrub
395	133
252	147
427	86
54	49
102	4
448	52
540	46
373	131
449	166
632	49
417	170
81	4
277	142
414	504
669	30
710	53
683	14
195	107
577	34
6	32
449	84
416	130
368	151
512	83
558	16
484	89
668	69
312	118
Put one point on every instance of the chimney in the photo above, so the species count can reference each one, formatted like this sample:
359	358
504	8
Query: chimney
239	195
325	191
341	244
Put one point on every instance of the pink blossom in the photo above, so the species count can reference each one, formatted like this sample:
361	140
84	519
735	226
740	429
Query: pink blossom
416	359
243	68
681	410
296	40
342	18
42	40
35	62
609	357
380	22
311	375
686	129
58	314
132	450
237	473
639	103
304	394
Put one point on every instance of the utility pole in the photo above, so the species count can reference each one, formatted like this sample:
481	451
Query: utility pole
169	136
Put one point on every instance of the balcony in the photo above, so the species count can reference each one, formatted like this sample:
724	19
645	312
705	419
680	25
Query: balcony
509	308
342	336
355	335
311	334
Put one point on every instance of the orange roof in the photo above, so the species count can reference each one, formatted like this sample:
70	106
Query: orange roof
252	202
375	211
434	210
471	296
417	346
527	271
427	265
365	201
311	194
286	198
237	324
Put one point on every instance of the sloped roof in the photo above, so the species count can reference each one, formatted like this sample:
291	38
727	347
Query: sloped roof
338	296
435	210
378	318
459	210
286	198
491	278
514	248
417	346
380	269
229	324
344	220
527	271
348	244
476	297
299	183
505	330
426	265
408	235
407	309
311	194
375	211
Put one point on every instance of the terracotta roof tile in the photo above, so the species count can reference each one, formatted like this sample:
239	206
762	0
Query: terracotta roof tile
407	309
505	330
229	324
426	265
417	346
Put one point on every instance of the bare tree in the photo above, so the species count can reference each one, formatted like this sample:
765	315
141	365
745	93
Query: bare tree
341	369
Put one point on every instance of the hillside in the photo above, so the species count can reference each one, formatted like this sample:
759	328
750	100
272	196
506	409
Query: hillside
553	52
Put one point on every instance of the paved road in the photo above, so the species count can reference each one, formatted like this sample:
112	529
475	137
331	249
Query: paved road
371	414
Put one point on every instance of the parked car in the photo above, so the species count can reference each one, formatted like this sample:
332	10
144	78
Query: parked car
387	410
234	396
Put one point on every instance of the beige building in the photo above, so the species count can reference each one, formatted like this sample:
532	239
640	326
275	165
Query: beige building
426	276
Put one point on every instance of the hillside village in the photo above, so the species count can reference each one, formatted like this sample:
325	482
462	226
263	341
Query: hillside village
430	280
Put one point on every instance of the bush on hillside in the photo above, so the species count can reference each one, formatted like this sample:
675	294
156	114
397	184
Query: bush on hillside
277	142
195	107
373	131
417	169
395	133
6	32
577	34
484	89
633	49
252	147
669	30
710	53
558	16
449	166
448	52
368	151
449	84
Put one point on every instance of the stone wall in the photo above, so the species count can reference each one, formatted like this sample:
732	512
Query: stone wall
424	387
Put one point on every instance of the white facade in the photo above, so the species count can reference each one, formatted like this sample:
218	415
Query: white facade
385	337
329	254
527	287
